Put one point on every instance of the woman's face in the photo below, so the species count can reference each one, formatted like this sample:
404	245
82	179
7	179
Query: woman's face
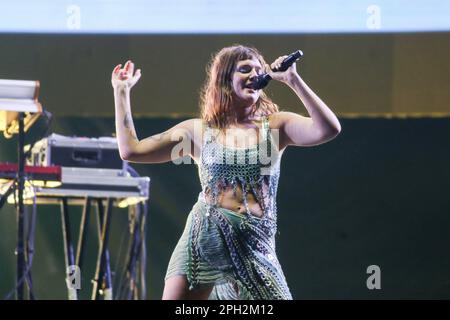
243	75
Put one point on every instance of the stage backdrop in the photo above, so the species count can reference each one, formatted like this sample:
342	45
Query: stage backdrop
376	195
356	74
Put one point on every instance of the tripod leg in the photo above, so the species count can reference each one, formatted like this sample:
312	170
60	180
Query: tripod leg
28	253
20	210
103	268
134	254
143	253
30	247
69	252
83	231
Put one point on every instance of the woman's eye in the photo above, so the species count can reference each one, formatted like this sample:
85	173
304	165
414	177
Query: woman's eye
244	70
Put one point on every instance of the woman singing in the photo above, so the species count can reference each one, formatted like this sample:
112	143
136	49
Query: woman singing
227	249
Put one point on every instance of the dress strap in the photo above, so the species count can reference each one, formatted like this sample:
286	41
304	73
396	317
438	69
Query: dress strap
266	128
207	133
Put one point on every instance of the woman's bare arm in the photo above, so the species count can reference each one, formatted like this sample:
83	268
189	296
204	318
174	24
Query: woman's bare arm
158	148
297	130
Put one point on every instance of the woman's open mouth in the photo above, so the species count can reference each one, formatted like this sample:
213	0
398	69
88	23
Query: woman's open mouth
250	88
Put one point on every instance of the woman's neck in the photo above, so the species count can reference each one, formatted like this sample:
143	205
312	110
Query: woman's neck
245	114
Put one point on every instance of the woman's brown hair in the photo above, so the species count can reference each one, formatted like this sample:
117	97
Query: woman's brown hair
216	95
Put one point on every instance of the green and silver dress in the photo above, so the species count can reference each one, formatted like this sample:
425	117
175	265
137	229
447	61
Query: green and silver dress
233	252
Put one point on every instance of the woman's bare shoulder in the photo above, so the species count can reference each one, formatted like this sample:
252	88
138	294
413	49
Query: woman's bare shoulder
195	127
278	119
191	124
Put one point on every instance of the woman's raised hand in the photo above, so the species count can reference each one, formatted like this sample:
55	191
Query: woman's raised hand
283	76
125	77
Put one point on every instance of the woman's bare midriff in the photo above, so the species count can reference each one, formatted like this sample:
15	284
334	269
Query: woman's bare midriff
228	200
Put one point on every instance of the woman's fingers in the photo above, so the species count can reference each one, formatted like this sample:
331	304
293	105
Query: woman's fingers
137	74
116	70
129	67
126	75
126	72
123	75
277	63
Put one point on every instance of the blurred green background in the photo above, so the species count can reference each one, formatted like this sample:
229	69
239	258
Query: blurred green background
376	195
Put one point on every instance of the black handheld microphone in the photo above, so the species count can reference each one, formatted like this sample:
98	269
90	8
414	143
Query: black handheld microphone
262	80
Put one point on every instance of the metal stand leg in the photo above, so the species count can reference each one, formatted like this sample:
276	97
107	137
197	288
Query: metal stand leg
103	270
68	249
30	248
20	213
132	255
143	253
132	283
136	254
84	223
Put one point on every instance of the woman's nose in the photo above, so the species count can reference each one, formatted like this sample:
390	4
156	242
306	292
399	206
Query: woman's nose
253	74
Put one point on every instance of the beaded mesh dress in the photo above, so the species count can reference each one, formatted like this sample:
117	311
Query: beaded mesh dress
232	251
